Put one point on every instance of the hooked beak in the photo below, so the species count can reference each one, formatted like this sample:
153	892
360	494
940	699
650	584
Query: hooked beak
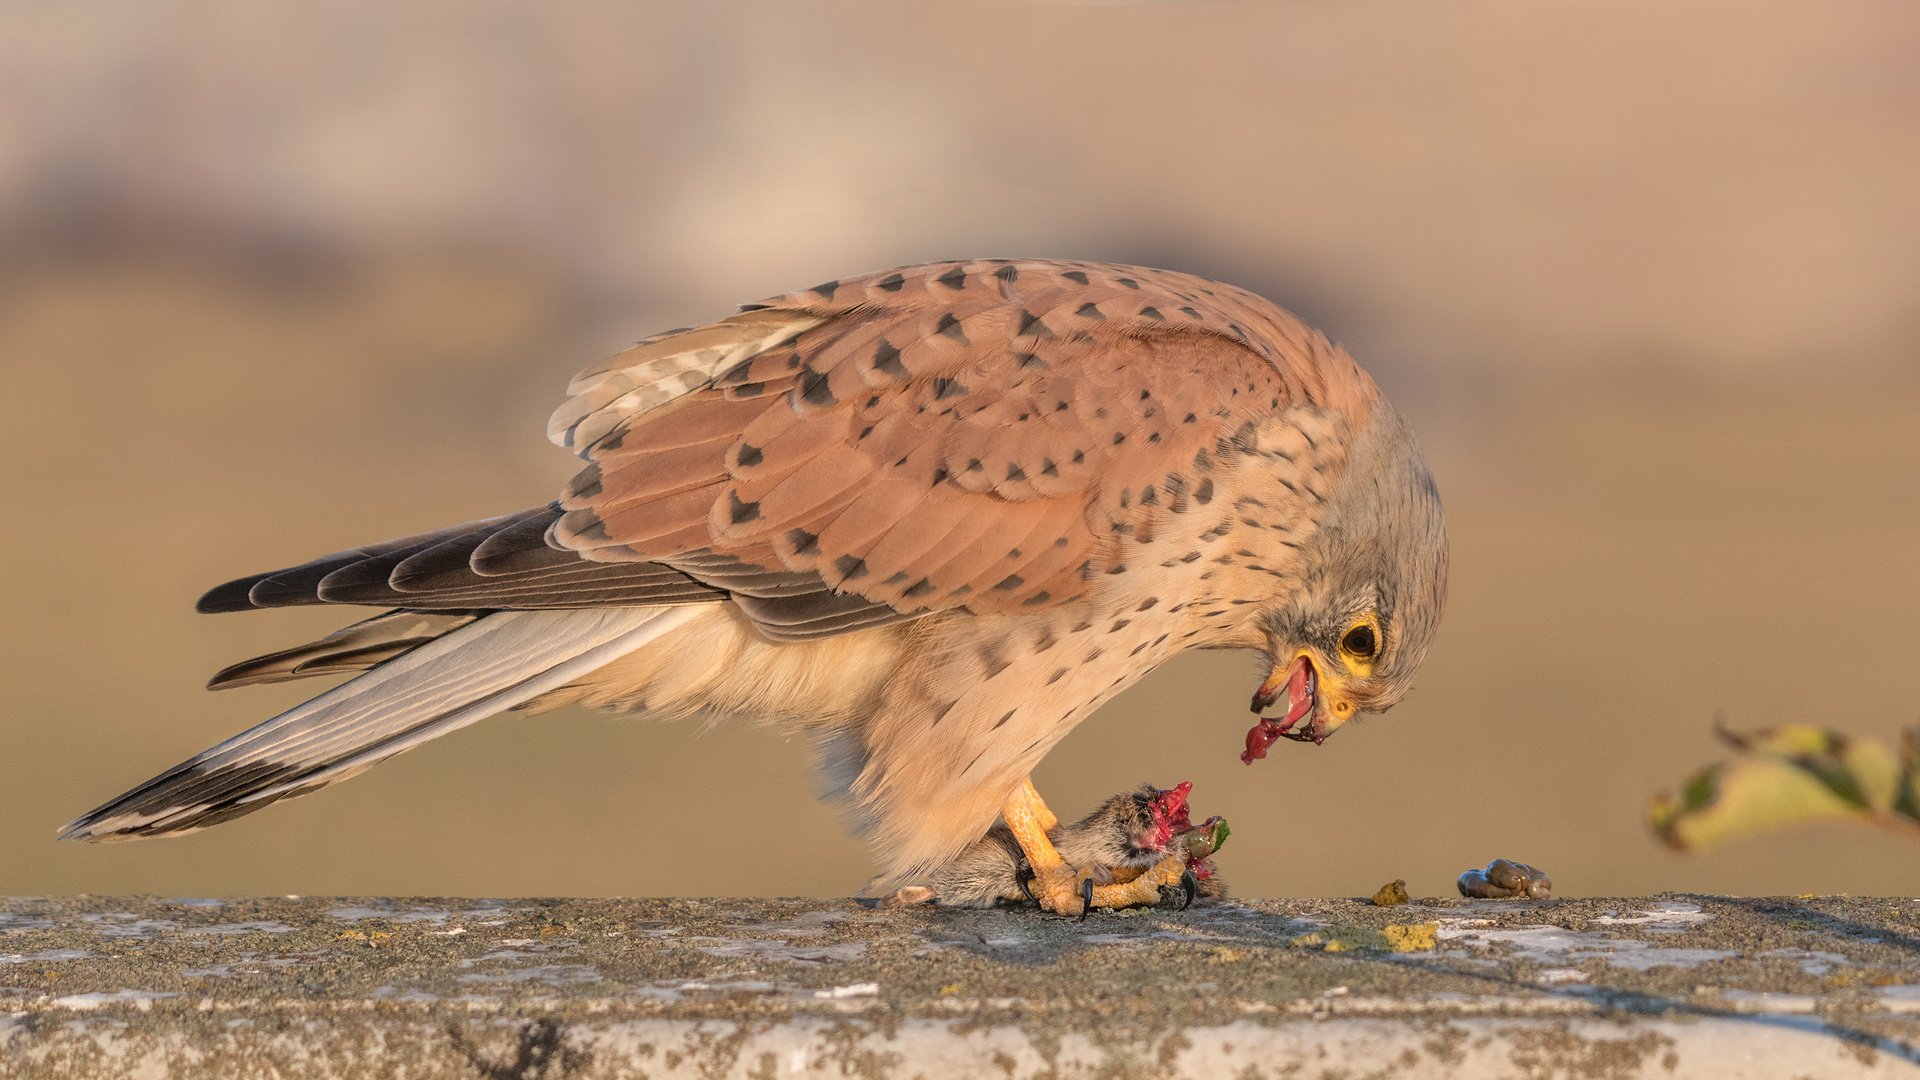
1300	682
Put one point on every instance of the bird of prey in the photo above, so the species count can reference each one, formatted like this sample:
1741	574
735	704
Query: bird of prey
933	516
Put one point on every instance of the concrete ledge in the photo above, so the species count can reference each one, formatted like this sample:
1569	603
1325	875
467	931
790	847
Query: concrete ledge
1671	987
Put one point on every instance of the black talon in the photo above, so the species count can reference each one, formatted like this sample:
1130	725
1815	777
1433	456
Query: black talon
1189	888
1086	898
1023	874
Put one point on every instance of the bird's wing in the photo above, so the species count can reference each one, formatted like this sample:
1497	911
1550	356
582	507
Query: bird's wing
986	434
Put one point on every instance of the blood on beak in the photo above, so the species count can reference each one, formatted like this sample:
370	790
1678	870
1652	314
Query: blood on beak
1301	682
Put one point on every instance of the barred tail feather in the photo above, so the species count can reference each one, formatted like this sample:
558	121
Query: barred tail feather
485	667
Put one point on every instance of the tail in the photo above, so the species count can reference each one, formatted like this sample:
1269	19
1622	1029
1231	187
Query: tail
487	666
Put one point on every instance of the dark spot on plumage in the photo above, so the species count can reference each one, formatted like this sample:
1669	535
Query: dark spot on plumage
897	578
1126	498
1028	360
1079	457
1014	472
1193	313
588	525
950	327
1153	313
755	307
1031	326
1158	640
1022	416
1075	276
1002	721
873	401
1091	657
1119	526
1100	413
1047	467
1274	403
741	512
1128	282
1013	553
1149	497
890	283
973	465
1118	626
938	476
1059	406
814	390
736	373
750	456
826	288
1057	676
944	388
918	589
995	664
1137	648
1008	273
940	713
1035	600
1203	491
1154	438
961	591
793	361
886	360
804	542
1082	628
1119	437
850	568
955	278
1121	569
1090	311
586	482
749	390
1060	541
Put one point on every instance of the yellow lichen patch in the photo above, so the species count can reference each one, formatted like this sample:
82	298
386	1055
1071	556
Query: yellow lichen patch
950	988
1224	955
1414	938
1392	894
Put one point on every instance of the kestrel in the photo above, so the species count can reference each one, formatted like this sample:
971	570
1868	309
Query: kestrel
934	517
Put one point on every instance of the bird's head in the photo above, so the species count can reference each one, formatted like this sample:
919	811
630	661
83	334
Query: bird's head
1373	582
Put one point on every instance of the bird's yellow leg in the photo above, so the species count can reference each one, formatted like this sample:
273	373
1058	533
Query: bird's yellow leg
1061	888
1042	816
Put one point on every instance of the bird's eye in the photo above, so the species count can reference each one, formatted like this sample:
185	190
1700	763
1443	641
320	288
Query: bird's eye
1360	642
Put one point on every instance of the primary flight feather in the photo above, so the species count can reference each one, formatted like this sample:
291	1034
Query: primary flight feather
935	516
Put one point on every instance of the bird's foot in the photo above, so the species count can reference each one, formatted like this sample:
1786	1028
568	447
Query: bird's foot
1065	890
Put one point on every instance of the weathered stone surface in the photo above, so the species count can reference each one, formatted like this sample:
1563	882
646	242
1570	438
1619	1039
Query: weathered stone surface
1673	986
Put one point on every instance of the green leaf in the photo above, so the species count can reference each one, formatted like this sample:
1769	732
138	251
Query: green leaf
1788	775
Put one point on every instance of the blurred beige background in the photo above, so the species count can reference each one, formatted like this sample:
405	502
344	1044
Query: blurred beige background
277	280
